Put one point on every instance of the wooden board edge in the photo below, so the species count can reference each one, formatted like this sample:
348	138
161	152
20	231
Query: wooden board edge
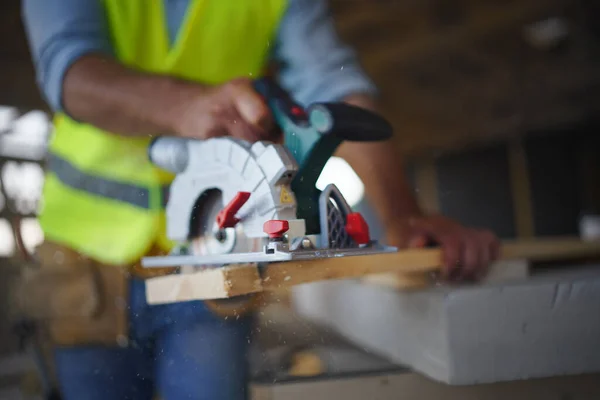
208	284
226	282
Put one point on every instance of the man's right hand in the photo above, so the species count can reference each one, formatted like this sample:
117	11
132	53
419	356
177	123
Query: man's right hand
102	92
232	109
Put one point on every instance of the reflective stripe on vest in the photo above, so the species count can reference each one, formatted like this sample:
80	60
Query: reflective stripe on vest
71	176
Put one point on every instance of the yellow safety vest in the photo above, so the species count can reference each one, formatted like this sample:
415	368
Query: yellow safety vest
102	197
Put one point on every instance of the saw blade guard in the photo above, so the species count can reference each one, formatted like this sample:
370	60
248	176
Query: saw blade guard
216	172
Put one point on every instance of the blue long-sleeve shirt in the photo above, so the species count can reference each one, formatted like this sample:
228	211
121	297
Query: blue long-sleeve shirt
316	64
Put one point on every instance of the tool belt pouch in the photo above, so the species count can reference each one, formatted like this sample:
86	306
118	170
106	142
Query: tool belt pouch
79	301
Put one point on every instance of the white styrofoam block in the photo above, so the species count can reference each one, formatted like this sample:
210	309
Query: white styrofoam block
502	331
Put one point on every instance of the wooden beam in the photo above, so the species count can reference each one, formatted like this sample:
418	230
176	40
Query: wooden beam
234	281
482	21
521	189
427	185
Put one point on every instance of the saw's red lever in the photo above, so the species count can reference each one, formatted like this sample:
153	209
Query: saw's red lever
275	228
226	217
357	228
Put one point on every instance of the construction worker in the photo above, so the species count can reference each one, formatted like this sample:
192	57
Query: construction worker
117	73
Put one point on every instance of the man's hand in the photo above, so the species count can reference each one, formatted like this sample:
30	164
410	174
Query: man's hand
467	252
102	92
232	109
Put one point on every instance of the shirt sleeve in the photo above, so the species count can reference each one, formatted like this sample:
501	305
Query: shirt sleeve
59	32
314	63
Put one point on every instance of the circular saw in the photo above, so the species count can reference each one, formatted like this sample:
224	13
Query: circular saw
236	202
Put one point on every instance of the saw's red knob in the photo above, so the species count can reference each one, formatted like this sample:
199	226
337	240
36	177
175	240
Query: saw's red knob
226	217
357	228
275	228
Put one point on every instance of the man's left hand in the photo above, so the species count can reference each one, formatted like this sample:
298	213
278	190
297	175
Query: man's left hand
467	252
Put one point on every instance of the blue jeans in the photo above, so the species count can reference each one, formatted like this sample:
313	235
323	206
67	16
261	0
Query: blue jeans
177	351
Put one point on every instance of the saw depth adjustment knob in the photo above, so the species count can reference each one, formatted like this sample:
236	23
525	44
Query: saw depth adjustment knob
276	228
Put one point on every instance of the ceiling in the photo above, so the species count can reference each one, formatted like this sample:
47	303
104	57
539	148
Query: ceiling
455	73
452	73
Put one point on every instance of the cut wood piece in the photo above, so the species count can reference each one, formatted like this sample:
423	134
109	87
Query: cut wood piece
214	283
282	274
220	283
306	363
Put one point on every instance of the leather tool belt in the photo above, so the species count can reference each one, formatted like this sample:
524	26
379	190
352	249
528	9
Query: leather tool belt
80	301
83	302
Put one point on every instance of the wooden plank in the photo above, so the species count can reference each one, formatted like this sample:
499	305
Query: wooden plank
427	188
521	189
560	248
234	281
292	273
208	284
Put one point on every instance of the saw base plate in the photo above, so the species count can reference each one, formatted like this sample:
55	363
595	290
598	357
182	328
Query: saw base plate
276	252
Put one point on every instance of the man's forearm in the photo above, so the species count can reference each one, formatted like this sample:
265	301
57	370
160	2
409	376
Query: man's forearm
100	91
384	178
381	169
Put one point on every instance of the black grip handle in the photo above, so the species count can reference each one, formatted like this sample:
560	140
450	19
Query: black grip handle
355	123
344	121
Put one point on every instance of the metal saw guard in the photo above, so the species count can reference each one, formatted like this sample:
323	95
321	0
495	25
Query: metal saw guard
334	210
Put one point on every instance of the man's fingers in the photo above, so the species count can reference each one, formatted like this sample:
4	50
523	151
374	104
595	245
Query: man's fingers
466	256
466	253
487	246
493	244
238	128
451	249
472	257
418	241
251	106
486	259
216	130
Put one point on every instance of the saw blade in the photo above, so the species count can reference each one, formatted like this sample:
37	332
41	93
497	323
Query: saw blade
208	238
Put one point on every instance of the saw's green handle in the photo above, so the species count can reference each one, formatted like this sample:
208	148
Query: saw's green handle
312	135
